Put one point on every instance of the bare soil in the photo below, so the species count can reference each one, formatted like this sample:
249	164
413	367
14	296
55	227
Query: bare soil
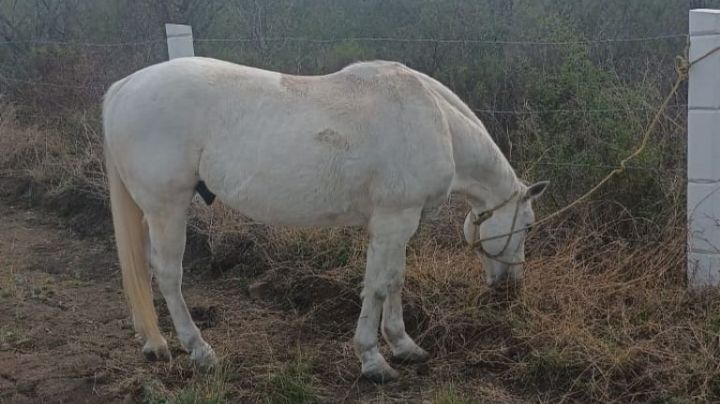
65	335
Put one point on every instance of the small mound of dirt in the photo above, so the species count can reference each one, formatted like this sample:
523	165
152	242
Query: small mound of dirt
329	302
85	214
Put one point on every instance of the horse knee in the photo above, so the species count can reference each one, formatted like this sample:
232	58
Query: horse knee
167	274
375	289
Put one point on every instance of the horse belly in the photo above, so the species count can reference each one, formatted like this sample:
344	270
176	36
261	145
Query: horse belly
301	189
278	206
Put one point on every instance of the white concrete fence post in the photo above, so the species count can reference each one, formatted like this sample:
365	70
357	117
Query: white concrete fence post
179	41
703	195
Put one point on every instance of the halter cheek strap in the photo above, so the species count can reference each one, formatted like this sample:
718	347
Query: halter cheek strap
479	219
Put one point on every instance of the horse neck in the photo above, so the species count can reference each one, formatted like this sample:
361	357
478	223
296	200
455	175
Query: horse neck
498	181
488	177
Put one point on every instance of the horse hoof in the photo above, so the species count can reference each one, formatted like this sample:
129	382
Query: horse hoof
381	374
415	355
204	357
156	352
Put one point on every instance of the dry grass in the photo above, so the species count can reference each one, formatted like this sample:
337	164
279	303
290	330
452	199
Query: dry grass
599	318
604	314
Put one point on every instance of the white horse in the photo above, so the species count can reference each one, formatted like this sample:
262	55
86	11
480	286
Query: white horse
373	144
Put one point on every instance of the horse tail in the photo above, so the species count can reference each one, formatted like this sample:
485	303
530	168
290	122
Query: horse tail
131	237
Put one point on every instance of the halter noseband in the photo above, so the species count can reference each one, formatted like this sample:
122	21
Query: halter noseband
479	219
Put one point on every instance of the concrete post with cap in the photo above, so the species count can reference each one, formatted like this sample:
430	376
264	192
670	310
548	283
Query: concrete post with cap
703	196
179	41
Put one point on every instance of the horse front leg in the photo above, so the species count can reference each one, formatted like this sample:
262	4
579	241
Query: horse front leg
390	231
403	347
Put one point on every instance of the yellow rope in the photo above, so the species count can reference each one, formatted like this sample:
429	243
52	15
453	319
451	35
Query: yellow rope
682	67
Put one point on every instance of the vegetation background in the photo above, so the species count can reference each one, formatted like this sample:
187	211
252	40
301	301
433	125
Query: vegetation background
565	87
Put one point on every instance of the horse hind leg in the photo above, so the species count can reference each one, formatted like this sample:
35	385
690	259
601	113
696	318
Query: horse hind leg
167	246
131	237
155	347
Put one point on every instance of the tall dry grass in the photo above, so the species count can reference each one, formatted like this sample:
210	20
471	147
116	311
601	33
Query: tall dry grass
604	314
59	152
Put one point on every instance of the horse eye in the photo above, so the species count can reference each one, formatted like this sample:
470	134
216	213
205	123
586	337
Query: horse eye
529	228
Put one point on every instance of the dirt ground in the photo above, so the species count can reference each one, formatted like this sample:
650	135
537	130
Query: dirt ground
65	335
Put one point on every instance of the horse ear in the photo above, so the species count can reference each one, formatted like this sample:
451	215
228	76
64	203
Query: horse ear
535	190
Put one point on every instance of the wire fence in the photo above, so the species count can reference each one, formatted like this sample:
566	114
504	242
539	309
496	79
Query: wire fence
646	108
82	44
99	89
447	40
662	37
55	85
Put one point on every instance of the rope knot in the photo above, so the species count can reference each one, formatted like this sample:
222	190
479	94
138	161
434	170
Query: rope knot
682	67
683	63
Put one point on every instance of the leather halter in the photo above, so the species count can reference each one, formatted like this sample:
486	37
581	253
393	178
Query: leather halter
482	217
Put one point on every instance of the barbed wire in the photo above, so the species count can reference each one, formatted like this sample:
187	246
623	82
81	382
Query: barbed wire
477	110
47	84
571	110
354	39
445	41
82	44
607	166
334	40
